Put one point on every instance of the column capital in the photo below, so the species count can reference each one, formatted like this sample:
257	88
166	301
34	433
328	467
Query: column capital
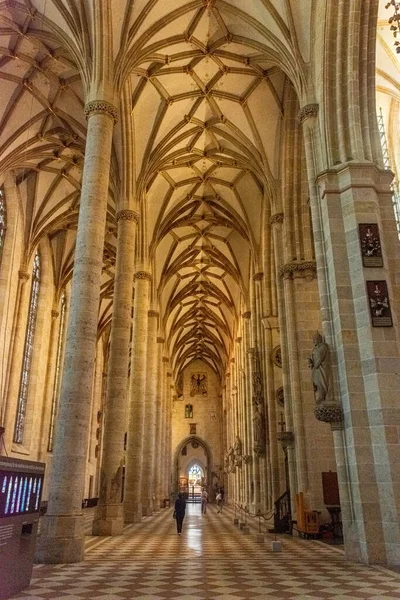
160	340
258	276
152	313
142	275
23	275
307	111
127	215
276	218
101	107
165	359
246	315
294	270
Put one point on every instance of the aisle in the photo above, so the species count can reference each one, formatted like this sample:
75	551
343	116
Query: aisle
211	560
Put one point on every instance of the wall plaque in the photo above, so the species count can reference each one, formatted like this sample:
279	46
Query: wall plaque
370	242
198	384
379	306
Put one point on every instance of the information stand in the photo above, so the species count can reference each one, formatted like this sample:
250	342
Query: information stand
21	485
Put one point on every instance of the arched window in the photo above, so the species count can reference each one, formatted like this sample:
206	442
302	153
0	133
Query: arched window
3	222
27	360
56	388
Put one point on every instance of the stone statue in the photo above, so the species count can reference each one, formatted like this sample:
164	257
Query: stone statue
237	450
258	430
237	446
319	365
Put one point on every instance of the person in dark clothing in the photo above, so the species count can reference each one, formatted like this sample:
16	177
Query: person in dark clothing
180	509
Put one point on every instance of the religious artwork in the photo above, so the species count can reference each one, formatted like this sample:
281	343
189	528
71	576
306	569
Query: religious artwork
319	365
276	356
189	411
280	396
229	461
179	386
259	426
192	429
238	451
198	384
370	242
379	306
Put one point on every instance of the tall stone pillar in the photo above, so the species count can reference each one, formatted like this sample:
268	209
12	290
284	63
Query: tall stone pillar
136	433
109	518
149	446
49	386
366	337
62	537
159	416
276	224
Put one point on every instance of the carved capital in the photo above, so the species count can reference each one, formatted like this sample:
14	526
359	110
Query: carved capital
310	110
127	215
102	107
246	315
330	413
23	275
258	276
152	313
143	275
170	375
277	218
295	270
55	314
160	340
165	359
238	340
247	458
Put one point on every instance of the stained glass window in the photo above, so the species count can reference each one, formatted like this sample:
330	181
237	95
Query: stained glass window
56	389
28	348
3	222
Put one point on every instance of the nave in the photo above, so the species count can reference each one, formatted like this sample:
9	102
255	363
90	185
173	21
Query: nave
212	559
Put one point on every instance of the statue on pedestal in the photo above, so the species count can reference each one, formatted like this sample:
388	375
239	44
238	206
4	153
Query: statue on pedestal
319	365
238	451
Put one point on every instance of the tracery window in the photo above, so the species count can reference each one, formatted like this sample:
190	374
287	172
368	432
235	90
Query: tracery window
3	222
56	388
28	348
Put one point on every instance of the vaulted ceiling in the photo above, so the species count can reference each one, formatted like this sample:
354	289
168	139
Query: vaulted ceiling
207	81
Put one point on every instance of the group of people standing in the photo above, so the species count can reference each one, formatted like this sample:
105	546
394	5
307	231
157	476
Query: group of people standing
180	506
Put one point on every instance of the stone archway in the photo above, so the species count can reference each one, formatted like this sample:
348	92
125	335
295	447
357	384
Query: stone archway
192	450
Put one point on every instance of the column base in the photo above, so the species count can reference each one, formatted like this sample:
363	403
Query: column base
109	520
147	508
62	539
133	512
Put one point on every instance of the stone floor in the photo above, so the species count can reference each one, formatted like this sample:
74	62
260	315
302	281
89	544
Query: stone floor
212	559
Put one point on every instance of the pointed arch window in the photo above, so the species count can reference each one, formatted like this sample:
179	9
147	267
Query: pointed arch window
28	348
3	221
56	388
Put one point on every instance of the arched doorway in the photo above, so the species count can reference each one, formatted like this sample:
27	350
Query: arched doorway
193	467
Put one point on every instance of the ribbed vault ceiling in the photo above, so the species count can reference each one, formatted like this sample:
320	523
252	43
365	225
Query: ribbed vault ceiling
207	80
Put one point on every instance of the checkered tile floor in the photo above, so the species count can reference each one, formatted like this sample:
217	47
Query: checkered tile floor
212	559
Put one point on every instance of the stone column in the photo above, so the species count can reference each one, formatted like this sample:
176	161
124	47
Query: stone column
49	386
367	350
136	433
109	518
15	362
163	426
276	224
62	538
158	434
148	462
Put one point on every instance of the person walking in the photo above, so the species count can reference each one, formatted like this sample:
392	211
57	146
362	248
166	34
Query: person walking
219	500
204	500
179	512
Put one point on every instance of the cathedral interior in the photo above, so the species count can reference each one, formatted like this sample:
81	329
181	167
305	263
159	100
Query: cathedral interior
200	263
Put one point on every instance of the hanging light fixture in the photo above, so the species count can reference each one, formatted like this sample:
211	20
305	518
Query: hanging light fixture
394	22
